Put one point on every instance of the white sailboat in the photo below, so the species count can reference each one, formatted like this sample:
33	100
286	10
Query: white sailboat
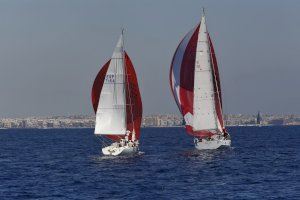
117	102
195	84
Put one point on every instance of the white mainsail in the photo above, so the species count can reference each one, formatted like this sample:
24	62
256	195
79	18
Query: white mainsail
205	116
111	112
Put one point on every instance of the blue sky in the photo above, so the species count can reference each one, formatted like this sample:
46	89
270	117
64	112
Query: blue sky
51	51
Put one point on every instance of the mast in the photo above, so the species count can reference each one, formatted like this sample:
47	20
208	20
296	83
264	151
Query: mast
128	90
124	76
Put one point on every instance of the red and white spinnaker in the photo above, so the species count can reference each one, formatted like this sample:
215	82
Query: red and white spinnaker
195	83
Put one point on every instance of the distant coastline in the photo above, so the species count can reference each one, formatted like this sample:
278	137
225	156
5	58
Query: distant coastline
163	120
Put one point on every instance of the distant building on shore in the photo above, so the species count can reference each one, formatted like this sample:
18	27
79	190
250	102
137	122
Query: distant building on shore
258	119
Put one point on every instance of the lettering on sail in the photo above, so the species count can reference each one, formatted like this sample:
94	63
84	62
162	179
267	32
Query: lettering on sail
110	78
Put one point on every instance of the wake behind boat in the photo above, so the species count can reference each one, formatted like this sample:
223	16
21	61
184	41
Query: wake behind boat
117	103
195	84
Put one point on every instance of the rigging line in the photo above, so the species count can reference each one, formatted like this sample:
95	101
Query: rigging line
116	58
115	83
216	83
106	141
128	88
120	137
102	141
124	78
115	96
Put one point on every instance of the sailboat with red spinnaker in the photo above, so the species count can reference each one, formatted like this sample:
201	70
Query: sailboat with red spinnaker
195	84
117	103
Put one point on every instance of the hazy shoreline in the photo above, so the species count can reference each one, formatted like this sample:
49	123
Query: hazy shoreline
161	120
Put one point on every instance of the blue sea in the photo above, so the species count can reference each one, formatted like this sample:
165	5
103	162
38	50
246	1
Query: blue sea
263	163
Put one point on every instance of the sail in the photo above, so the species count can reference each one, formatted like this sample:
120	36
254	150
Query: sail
111	111
114	87
195	83
205	117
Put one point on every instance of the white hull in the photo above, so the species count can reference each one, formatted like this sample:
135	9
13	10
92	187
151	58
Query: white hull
213	143
115	150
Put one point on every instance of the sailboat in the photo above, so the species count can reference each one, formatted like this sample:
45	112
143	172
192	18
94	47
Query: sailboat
195	84
117	103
